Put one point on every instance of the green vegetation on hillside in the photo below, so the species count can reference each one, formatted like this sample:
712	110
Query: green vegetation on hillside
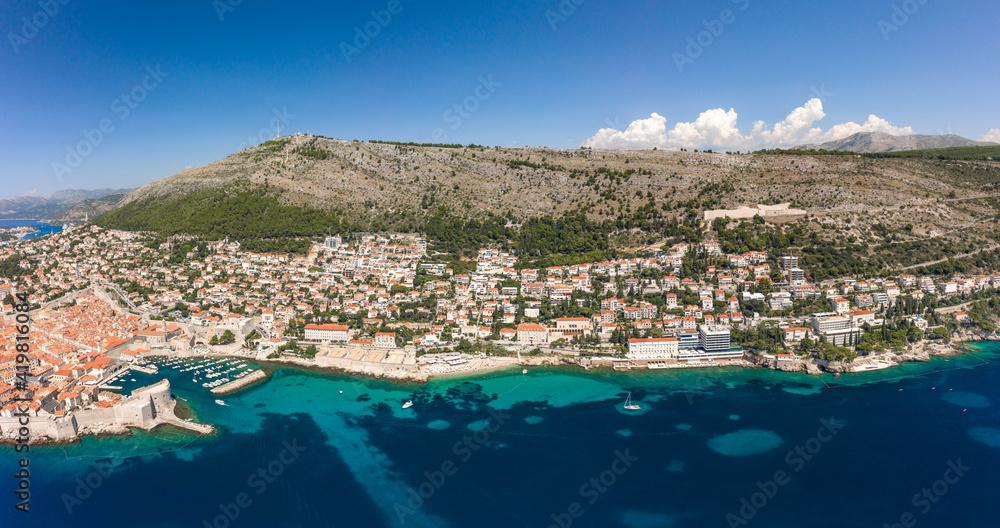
10	267
951	153
312	152
517	164
557	239
254	217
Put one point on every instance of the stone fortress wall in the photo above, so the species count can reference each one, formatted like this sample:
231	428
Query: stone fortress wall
138	410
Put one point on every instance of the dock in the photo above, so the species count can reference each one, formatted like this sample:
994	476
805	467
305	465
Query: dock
144	370
238	384
190	426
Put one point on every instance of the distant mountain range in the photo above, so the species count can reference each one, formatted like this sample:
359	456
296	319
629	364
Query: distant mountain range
54	206
871	142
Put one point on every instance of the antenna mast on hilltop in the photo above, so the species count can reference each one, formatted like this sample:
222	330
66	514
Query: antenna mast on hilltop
279	129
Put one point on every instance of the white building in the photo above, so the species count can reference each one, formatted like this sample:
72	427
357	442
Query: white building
653	348
327	333
385	340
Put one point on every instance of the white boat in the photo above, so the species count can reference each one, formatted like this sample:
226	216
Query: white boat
408	404
631	406
877	364
220	402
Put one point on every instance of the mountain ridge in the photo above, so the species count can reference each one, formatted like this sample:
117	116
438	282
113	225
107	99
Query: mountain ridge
878	142
304	186
51	206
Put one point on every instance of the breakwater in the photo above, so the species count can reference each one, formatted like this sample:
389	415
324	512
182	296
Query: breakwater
238	384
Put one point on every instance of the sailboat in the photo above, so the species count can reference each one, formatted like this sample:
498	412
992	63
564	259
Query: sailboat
629	406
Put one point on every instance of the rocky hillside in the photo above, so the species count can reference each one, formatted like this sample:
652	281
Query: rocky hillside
379	186
870	142
88	208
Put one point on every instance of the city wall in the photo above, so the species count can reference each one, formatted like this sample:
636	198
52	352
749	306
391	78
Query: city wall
138	410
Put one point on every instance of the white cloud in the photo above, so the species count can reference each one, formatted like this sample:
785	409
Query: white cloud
718	129
642	134
795	128
713	128
993	136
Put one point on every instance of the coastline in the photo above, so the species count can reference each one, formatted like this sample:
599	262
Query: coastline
166	415
147	408
920	353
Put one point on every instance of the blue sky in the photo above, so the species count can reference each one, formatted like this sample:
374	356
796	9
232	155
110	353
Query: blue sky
539	73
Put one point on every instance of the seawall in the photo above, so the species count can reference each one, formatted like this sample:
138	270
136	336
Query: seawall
146	408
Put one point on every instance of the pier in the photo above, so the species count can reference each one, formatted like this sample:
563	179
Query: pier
238	384
144	370
190	426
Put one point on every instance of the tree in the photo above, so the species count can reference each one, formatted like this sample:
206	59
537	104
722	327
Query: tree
227	338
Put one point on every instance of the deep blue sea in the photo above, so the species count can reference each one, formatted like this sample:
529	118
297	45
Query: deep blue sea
43	228
918	445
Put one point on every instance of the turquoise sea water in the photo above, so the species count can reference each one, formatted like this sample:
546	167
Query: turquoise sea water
728	447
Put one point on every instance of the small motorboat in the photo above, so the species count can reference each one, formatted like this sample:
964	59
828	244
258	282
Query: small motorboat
408	404
220	402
